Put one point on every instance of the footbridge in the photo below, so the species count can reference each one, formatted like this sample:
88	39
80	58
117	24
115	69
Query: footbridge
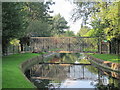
65	44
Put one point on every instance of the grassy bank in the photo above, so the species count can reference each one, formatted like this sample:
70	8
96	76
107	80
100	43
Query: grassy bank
12	76
107	57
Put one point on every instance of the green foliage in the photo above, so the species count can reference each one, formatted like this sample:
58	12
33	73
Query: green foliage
82	32
39	29
13	22
38	10
104	18
15	42
84	10
97	29
85	31
69	33
18	16
59	25
90	33
105	22
69	58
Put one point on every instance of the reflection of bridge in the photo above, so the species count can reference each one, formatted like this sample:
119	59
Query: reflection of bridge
62	71
69	78
56	72
78	44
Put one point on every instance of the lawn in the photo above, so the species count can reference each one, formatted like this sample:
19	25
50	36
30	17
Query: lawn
12	75
90	50
108	57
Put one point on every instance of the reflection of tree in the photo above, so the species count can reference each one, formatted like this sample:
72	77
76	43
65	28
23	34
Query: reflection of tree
41	83
52	72
115	81
69	58
92	69
107	87
114	84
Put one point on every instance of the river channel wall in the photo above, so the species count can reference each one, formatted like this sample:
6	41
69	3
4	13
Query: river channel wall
114	68
30	62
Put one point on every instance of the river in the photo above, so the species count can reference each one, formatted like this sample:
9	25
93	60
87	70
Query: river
82	75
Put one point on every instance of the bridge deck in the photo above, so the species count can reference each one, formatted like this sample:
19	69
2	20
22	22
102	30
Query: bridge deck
67	63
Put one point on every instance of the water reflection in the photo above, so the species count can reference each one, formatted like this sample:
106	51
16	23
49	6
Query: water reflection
72	76
69	58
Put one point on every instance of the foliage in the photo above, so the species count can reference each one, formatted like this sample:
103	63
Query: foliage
18	16
38	18
69	33
102	16
82	32
69	58
15	42
105	22
59	25
13	22
84	10
39	29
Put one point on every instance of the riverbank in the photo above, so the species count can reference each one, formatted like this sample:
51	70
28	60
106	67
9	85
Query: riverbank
105	61
12	76
107	57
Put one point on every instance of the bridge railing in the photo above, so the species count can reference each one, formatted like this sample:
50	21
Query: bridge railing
76	44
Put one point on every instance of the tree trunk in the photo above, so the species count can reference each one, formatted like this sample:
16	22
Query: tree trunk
22	47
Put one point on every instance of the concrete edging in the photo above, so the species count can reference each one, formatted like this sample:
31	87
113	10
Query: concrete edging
99	63
28	63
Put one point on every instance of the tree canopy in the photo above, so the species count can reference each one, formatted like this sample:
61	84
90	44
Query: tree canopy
103	16
18	18
59	25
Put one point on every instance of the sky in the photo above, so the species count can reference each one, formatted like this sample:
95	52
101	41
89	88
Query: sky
65	8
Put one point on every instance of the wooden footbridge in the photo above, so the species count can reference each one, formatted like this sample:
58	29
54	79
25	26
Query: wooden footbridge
67	44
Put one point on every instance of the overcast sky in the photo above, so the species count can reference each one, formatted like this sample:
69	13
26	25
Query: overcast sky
65	8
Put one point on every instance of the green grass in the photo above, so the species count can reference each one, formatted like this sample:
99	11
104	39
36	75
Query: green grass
107	57
12	75
88	49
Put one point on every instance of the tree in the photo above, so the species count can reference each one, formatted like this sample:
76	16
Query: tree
83	11
104	18
105	22
39	29
13	22
83	31
59	25
38	21
17	16
69	33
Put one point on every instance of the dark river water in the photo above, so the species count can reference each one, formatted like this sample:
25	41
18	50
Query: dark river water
62	76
